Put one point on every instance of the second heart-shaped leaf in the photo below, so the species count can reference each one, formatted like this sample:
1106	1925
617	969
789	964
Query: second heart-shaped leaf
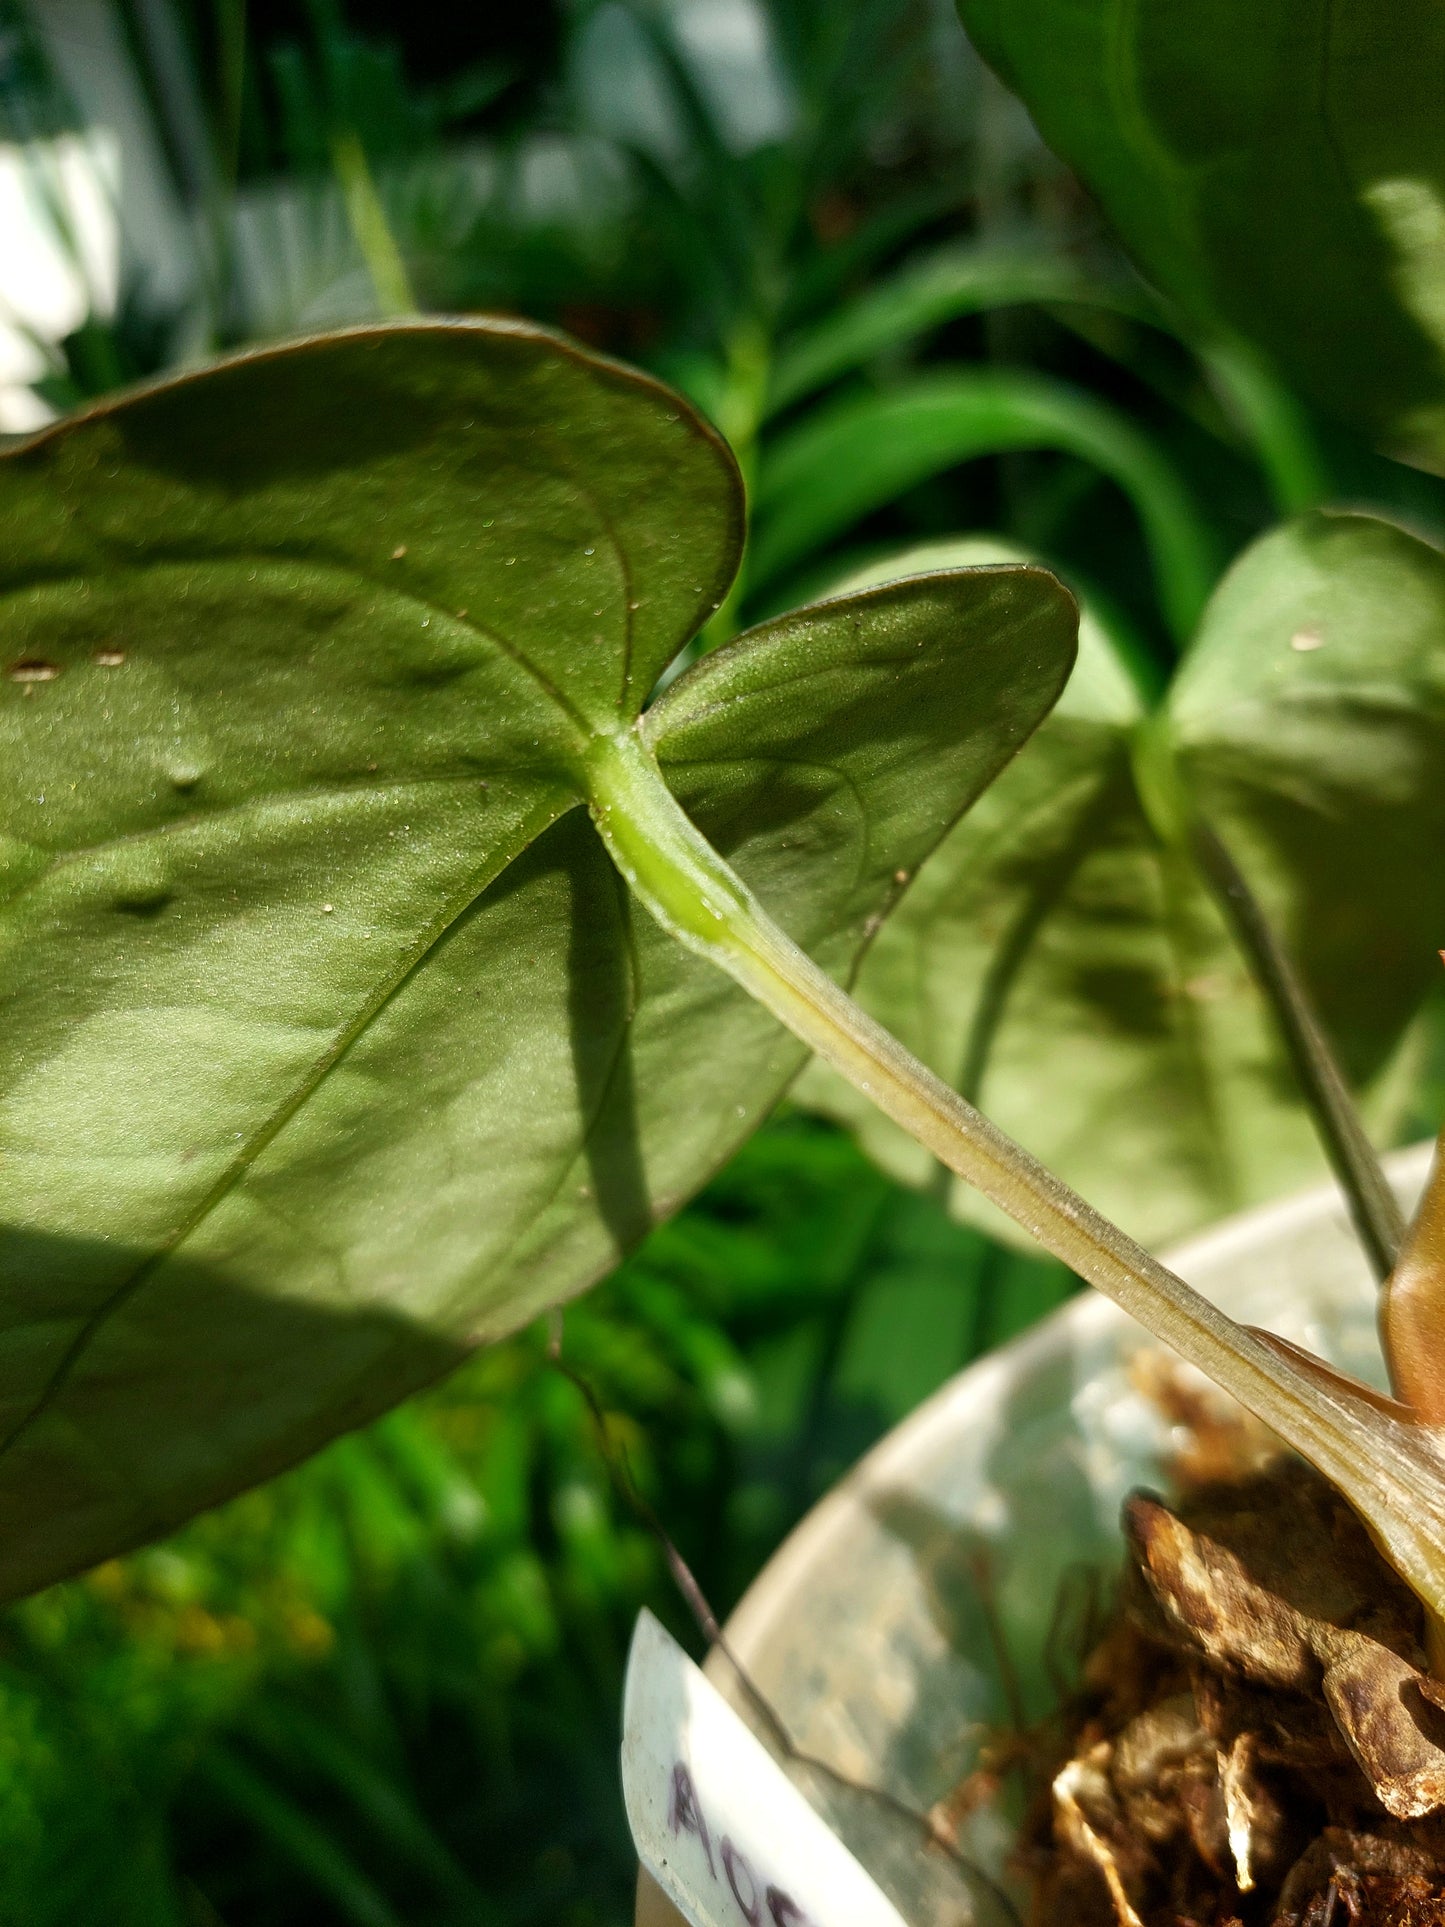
1067	968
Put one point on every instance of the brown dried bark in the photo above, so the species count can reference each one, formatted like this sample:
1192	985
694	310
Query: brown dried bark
1257	1742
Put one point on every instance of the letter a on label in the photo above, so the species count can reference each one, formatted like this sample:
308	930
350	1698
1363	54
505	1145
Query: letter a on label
717	1823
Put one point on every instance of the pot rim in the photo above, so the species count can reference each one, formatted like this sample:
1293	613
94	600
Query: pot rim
929	1425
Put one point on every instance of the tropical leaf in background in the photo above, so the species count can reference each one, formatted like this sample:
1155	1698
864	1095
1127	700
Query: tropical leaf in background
334	1044
1278	171
1061	959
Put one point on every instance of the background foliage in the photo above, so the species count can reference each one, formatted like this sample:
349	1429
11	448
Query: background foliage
384	1688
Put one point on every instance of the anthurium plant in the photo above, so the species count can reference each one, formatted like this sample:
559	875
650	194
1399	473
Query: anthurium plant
1131	951
336	1042
380	962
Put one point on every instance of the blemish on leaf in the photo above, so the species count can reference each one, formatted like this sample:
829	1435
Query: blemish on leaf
33	669
398	552
109	658
1305	640
145	907
1207	989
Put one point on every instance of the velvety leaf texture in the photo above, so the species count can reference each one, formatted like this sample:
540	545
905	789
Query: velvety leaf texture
1279	169
1069	970
332	1044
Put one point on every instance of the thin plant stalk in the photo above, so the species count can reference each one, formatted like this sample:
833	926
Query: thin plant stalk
1373	1207
1166	801
372	231
1386	1465
740	413
1412	1311
1275	421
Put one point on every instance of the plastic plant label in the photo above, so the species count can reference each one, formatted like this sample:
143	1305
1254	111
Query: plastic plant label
716	1822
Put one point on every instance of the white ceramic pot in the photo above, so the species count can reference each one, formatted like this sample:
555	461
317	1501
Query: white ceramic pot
872	1629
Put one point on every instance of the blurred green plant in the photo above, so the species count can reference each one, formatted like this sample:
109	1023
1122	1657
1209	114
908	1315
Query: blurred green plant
1277	171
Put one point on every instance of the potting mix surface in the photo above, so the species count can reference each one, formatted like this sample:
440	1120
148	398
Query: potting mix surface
1256	1738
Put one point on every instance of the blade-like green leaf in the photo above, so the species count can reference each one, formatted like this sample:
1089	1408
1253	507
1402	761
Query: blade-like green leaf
819	479
1279	169
332	1044
1060	964
953	282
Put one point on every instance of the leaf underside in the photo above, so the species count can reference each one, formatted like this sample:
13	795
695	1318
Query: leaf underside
332	1043
1061	966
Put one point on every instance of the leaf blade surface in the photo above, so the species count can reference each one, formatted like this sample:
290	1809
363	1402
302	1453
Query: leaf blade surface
1067	969
334	1045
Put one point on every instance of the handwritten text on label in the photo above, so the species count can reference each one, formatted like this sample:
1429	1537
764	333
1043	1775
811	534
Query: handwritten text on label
758	1904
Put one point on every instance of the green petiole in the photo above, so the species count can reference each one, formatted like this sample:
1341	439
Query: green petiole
1387	1465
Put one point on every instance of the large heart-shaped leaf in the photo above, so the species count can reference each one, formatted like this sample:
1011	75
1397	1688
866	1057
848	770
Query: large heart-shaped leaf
1068	968
1276	168
333	1043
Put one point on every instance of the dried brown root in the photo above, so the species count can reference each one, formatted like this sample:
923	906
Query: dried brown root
1257	1742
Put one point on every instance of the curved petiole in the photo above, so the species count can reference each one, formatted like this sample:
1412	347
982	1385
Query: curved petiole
1388	1467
